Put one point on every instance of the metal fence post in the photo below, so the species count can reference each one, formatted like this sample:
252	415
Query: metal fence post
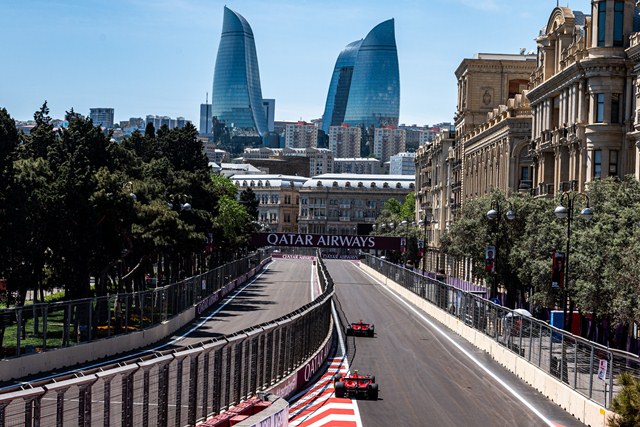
591	372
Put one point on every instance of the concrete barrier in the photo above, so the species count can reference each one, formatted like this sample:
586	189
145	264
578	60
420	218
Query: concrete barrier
35	363
276	415
584	409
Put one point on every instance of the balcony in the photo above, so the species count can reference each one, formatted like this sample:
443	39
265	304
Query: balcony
456	185
542	190
345	205
345	218
456	164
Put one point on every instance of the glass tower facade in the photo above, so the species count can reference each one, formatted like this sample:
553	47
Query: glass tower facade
237	96
365	86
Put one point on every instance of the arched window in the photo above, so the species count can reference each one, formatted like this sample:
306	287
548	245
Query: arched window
385	185
411	186
347	184
398	185
373	185
360	185
335	183
319	184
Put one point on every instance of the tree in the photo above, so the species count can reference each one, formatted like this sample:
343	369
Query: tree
626	403
249	200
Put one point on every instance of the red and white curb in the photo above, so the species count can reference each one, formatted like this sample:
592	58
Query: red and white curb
319	406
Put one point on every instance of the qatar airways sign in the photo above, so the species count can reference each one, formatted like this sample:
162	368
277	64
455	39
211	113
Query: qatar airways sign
326	241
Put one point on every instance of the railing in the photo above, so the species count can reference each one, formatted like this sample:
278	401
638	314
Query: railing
587	367
48	326
179	388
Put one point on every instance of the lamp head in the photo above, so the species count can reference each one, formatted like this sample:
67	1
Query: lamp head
492	214
587	213
511	215
561	212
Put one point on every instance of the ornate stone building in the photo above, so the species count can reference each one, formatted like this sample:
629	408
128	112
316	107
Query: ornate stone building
581	97
348	203
278	197
434	185
496	153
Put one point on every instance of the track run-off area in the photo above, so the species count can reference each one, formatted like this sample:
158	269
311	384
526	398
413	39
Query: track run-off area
427	375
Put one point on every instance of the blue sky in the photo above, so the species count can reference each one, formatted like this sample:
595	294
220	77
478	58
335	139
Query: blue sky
157	56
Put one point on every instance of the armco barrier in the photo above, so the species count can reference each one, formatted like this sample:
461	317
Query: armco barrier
34	363
584	409
180	388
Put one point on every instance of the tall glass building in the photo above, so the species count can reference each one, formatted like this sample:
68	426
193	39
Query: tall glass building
237	96
365	86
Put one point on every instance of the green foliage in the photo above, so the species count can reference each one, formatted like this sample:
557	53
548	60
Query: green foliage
82	205
250	201
626	403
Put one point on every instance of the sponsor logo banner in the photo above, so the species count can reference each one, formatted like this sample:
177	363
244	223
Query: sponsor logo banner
307	371
325	241
279	419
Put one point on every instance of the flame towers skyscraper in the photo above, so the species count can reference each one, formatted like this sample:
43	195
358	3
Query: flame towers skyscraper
237	96
365	86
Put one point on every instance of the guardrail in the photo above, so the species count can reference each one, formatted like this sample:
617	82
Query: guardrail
179	388
44	327
587	367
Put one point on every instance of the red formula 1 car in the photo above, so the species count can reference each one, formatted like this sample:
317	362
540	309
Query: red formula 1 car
361	328
356	385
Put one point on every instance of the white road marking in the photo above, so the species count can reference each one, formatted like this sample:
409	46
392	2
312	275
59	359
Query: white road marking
343	353
470	356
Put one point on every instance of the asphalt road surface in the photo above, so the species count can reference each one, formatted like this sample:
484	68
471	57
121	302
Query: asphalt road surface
282	287
425	379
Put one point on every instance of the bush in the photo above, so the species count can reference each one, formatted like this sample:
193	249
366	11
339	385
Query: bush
626	404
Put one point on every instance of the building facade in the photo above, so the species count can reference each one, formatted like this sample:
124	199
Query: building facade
348	203
278	197
387	142
358	166
205	120
345	141
496	153
365	85
581	98
301	135
237	95
402	164
102	117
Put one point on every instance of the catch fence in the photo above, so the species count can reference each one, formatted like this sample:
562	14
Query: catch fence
587	367
44	327
179	388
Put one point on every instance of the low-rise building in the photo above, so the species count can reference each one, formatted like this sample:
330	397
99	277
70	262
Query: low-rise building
358	165
348	203
278	197
402	164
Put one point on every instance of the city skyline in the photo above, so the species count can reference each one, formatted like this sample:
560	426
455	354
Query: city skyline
142	57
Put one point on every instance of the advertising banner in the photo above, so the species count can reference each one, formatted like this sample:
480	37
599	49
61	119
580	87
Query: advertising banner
326	241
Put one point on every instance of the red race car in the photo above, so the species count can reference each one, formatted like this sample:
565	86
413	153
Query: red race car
361	328
356	385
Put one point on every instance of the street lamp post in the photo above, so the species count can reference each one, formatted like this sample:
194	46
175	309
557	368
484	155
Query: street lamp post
565	210
495	215
424	223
